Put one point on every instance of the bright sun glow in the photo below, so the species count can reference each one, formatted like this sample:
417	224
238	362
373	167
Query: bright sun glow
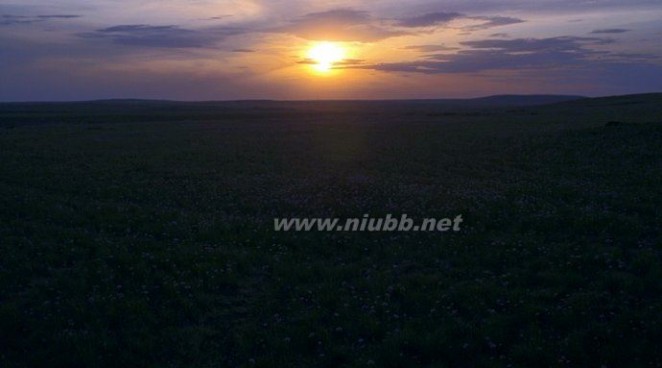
325	55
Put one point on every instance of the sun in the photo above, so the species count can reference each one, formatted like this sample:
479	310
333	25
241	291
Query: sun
325	55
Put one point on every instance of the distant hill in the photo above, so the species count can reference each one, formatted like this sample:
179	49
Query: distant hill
644	107
490	101
611	101
629	108
521	100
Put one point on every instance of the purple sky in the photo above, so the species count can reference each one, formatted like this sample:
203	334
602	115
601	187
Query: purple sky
252	49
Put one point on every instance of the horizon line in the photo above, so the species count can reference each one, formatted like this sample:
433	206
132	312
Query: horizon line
127	99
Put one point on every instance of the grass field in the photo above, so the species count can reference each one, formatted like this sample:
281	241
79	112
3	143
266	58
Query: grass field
140	234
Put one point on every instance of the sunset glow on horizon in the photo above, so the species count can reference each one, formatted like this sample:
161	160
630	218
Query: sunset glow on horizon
255	49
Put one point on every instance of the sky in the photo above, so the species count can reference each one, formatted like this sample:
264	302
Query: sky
60	50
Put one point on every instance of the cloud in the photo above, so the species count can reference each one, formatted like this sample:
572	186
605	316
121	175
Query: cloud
342	63
484	55
9	19
429	19
219	17
358	25
339	25
441	18
58	16
430	48
347	16
491	22
634	56
565	44
169	36
610	31
349	62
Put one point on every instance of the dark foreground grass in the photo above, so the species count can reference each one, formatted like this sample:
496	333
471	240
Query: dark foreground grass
151	244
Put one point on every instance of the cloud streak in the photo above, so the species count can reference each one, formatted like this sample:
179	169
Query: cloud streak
10	19
429	19
358	25
430	48
339	25
169	36
491	22
610	31
517	54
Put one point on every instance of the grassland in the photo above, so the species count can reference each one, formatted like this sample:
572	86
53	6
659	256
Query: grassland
140	234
